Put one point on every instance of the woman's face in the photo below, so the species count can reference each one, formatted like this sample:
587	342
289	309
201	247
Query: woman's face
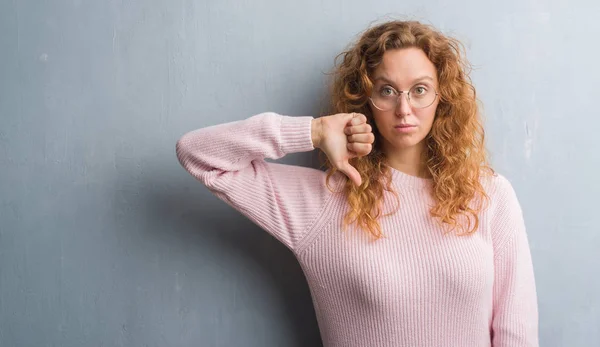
402	70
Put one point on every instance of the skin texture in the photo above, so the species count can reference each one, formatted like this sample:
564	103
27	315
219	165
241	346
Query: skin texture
403	68
344	136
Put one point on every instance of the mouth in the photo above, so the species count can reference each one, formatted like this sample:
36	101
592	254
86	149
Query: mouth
405	126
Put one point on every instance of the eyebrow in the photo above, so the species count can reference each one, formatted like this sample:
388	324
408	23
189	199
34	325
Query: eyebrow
381	78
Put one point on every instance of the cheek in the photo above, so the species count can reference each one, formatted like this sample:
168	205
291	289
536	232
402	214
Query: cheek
379	119
426	118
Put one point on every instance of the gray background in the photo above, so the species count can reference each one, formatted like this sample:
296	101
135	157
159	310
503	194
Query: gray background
106	241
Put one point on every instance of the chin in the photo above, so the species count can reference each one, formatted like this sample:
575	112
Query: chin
405	145
403	142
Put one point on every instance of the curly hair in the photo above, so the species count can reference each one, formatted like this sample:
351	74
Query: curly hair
455	157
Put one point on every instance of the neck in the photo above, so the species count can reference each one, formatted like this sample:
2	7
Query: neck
408	160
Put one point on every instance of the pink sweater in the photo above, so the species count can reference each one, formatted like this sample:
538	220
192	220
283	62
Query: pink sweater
417	286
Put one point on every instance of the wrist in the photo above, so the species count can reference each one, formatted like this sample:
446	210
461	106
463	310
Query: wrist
316	131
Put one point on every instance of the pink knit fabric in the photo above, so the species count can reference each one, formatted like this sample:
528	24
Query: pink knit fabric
415	287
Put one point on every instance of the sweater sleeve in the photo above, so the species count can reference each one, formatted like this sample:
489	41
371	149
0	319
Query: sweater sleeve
228	158
515	311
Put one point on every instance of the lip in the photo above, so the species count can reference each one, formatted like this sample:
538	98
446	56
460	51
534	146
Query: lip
405	128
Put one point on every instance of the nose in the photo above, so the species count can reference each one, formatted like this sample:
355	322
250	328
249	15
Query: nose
403	107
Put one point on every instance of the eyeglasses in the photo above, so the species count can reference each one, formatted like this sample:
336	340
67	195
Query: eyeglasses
420	95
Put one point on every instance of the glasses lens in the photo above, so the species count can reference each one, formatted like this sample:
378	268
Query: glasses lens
386	98
422	95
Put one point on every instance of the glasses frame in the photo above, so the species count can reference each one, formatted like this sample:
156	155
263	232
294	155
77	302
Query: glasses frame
407	92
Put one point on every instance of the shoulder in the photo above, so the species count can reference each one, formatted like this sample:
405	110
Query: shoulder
504	204
499	188
506	215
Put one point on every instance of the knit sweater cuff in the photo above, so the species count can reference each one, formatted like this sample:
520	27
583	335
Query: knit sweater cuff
296	134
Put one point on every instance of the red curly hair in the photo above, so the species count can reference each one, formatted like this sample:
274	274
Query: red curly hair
455	156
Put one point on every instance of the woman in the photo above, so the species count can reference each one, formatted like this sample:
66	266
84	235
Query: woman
409	239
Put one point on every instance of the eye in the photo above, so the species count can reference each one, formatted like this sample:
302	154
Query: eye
420	90
387	91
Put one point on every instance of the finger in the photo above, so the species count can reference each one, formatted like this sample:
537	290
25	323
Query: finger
357	129
362	138
360	148
351	172
352	154
349	117
358	118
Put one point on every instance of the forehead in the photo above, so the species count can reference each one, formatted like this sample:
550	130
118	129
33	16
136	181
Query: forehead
405	65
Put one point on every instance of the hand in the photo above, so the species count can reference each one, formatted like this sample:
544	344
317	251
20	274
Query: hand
341	137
